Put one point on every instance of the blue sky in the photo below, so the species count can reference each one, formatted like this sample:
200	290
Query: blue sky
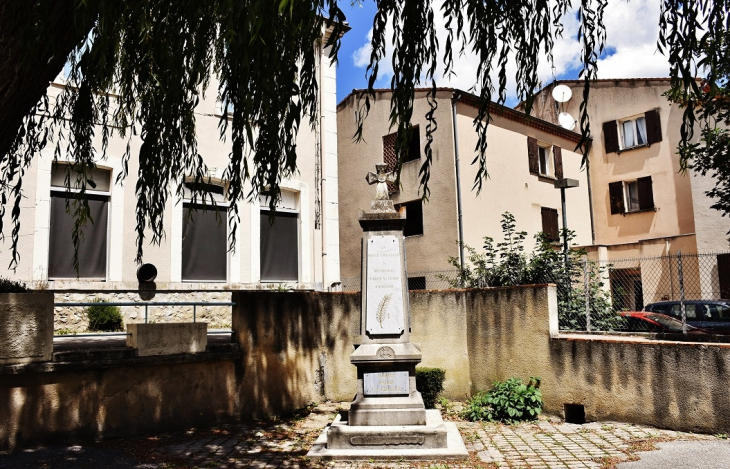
632	31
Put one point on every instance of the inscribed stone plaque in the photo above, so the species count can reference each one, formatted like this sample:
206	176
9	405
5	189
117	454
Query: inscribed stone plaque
384	286
390	382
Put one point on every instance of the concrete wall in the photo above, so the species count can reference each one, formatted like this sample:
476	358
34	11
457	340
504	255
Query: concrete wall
318	243
297	349
94	403
26	327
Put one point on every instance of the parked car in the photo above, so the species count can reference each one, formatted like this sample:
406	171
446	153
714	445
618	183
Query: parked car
712	316
647	321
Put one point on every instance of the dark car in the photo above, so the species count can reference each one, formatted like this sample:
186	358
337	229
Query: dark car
647	321
713	316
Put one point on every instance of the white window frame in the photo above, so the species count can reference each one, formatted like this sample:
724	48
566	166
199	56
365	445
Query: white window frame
220	202
107	193
544	150
634	122
628	206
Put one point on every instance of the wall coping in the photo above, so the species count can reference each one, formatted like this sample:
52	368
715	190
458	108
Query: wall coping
85	365
632	339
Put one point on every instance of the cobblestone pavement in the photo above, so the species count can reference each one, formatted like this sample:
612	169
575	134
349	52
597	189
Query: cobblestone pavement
547	443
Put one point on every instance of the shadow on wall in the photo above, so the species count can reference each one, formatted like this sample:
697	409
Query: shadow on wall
115	402
296	348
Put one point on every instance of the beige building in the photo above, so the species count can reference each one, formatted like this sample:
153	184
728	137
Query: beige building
524	158
643	205
301	249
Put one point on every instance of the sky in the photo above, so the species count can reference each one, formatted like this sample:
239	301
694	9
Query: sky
632	30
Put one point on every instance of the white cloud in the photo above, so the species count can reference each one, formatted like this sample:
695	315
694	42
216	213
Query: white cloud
631	35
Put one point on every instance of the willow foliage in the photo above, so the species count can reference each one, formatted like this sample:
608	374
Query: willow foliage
138	67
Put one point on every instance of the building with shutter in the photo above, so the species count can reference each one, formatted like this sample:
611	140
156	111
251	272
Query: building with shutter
297	247
524	158
643	205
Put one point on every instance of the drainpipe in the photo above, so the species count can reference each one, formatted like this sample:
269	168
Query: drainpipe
590	201
454	99
322	194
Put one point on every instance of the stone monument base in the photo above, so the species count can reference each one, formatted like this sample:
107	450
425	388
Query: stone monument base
434	441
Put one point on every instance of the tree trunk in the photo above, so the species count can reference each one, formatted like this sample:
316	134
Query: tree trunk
36	38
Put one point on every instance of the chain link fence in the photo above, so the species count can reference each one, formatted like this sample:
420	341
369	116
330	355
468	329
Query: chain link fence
679	293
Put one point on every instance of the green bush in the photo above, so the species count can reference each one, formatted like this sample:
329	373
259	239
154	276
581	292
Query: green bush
104	318
11	286
430	383
508	401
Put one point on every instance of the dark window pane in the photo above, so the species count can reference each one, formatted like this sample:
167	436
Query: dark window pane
416	283
414	145
280	247
414	217
204	243
92	249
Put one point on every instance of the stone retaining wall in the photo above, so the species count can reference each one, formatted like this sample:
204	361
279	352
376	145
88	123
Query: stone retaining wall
74	319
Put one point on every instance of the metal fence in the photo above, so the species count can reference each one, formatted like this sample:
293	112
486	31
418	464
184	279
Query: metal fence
604	296
674	294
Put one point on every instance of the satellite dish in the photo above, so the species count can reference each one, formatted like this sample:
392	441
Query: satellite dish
562	94
566	121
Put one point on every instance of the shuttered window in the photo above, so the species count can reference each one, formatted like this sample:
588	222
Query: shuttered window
92	252
550	223
631	196
279	246
632	132
204	253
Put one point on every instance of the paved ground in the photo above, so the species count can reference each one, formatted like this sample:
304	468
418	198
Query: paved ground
548	443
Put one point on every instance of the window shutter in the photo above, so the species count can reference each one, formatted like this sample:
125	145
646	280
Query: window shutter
646	195
653	126
610	136
558	158
616	194
550	223
390	158
532	155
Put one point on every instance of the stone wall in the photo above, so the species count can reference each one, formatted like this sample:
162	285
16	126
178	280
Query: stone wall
73	319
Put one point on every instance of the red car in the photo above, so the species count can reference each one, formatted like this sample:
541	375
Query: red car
648	321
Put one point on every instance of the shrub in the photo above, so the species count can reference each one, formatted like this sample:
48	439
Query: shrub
508	401
430	382
11	286
104	318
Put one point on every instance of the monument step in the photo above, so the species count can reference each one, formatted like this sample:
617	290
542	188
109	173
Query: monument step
435	440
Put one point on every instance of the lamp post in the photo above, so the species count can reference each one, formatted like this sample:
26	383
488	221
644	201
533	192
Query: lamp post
563	184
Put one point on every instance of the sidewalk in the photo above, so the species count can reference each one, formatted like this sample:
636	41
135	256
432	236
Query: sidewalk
548	443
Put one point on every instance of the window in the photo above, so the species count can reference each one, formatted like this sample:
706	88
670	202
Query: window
416	283
414	217
631	196
632	132
627	292
92	253
550	223
540	161
391	159
204	250
544	160
280	240
723	274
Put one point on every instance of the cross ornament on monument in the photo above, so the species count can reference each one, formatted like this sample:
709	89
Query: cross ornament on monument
381	178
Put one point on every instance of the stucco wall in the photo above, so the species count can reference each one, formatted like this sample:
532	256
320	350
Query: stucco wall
114	402
297	349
